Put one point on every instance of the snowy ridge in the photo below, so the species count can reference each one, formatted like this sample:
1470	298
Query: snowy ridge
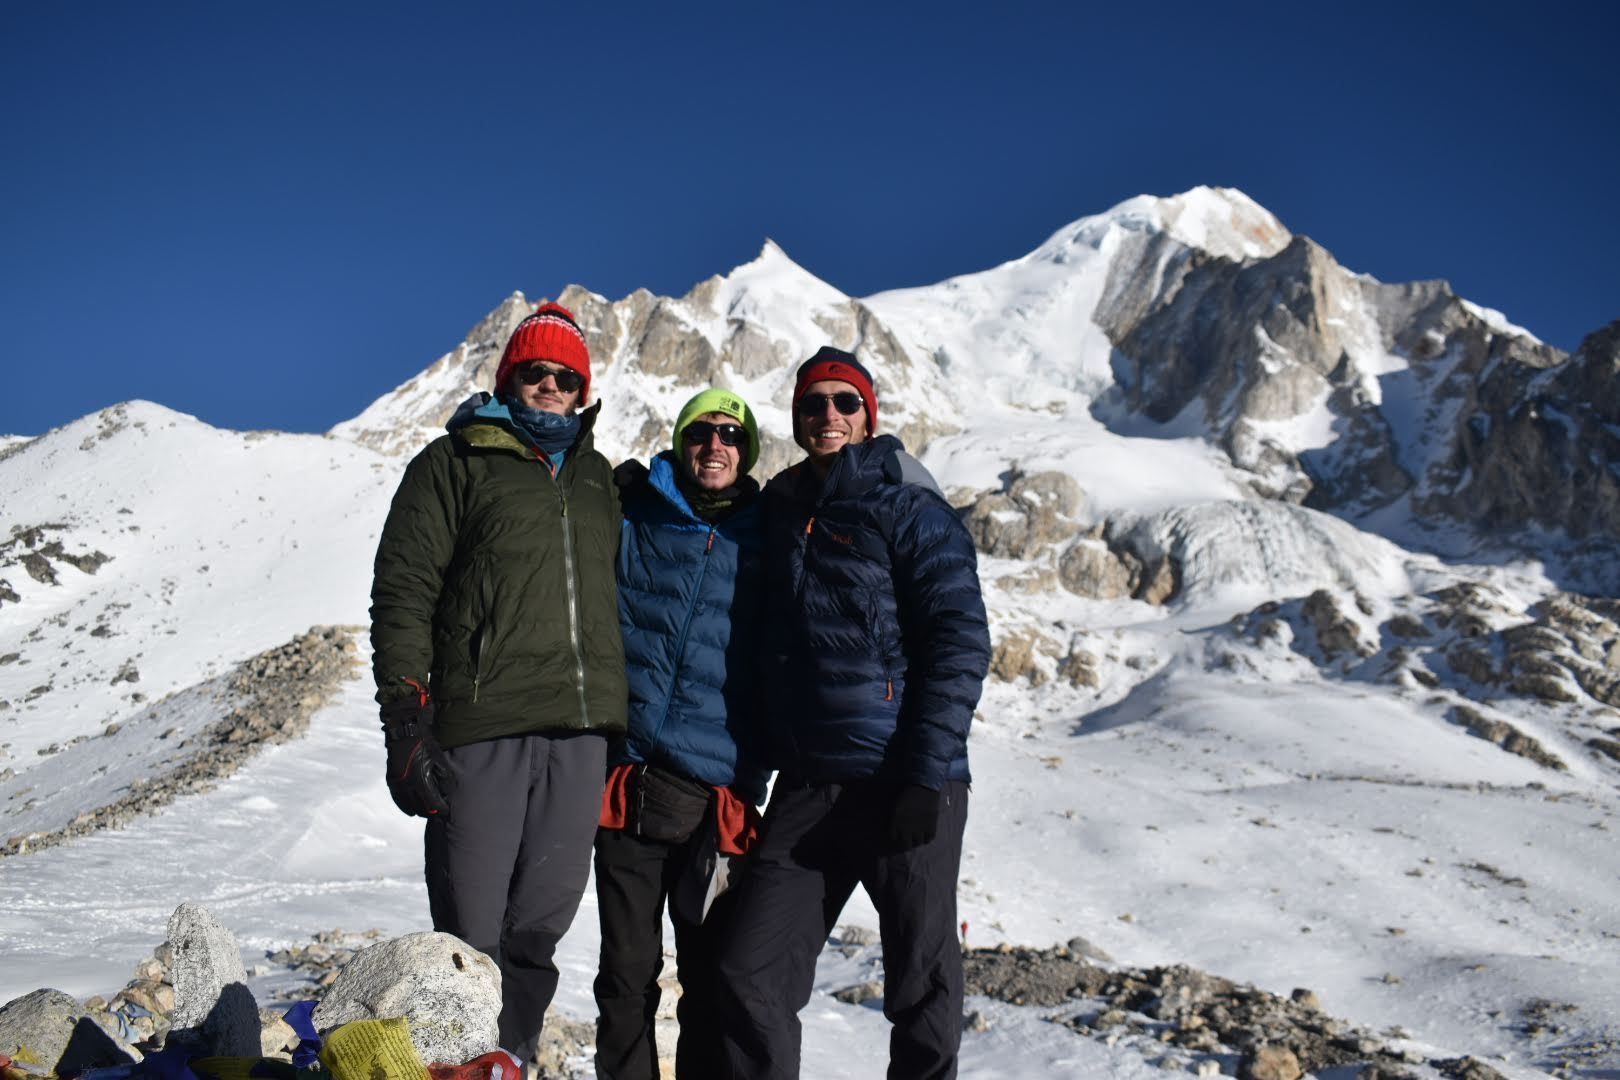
1293	769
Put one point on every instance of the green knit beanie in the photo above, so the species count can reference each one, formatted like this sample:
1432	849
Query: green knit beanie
728	404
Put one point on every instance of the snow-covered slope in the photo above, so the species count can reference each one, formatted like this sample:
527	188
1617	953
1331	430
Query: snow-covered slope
1224	729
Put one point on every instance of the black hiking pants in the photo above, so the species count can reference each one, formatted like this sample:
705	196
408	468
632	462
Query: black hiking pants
507	868
634	879
821	841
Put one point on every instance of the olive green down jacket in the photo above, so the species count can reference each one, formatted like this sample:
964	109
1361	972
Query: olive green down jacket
495	588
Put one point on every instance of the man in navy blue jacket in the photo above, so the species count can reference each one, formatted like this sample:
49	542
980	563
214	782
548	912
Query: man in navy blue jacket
878	647
682	785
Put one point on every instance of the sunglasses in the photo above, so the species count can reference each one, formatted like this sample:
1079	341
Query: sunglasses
845	401
697	433
566	379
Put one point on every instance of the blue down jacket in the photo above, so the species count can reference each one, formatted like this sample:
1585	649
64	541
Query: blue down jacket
689	604
878	634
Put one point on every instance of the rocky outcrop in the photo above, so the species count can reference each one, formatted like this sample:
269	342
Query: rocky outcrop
1017	656
1563	649
1507	736
1259	341
1034	518
268	699
1190	1014
1032	512
30	549
1537	441
1408	390
1337	633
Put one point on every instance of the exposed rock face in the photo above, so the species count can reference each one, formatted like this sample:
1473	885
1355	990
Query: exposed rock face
1563	648
1034	516
1411	389
449	991
1538	441
30	548
1336	632
1033	512
1255	342
1505	735
1015	656
213	1008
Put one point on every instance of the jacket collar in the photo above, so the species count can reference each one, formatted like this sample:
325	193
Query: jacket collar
482	422
856	470
662	478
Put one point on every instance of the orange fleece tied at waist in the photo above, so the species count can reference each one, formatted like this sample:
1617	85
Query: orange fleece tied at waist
737	823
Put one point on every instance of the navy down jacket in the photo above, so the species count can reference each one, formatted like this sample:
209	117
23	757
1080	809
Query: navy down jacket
877	628
689	603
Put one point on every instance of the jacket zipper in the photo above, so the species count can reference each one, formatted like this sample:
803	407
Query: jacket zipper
640	783
485	634
573	608
680	641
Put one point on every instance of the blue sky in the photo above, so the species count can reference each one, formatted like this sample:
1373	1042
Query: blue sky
269	214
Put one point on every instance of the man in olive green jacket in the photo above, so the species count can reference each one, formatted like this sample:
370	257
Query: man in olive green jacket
499	661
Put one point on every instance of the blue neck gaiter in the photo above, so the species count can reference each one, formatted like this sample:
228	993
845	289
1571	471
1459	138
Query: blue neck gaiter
554	435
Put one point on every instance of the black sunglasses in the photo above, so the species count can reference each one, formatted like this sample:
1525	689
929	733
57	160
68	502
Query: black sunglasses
697	433
567	379
845	401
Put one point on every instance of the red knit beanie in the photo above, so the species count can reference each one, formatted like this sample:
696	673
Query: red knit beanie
831	363
550	334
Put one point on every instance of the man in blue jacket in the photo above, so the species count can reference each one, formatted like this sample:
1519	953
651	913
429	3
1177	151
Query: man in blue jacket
878	649
682	785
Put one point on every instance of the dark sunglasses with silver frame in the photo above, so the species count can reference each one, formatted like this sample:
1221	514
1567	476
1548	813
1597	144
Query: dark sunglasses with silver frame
567	379
698	432
846	402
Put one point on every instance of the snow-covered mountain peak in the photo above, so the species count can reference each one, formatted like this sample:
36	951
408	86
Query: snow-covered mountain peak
770	279
1220	221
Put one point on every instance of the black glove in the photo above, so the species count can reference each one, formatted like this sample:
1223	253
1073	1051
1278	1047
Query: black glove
915	819
418	774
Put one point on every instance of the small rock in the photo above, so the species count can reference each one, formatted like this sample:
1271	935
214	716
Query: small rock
1270	1063
1307	998
860	992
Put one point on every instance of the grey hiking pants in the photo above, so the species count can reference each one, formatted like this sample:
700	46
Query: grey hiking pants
506	870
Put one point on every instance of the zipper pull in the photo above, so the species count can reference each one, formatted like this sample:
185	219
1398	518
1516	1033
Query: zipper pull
710	545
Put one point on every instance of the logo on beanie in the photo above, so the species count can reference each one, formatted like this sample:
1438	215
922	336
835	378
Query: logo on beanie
730	405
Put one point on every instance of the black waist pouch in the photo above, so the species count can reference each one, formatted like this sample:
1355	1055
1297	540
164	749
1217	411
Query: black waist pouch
665	806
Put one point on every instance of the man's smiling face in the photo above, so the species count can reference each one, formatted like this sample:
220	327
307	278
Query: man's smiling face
712	464
827	429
